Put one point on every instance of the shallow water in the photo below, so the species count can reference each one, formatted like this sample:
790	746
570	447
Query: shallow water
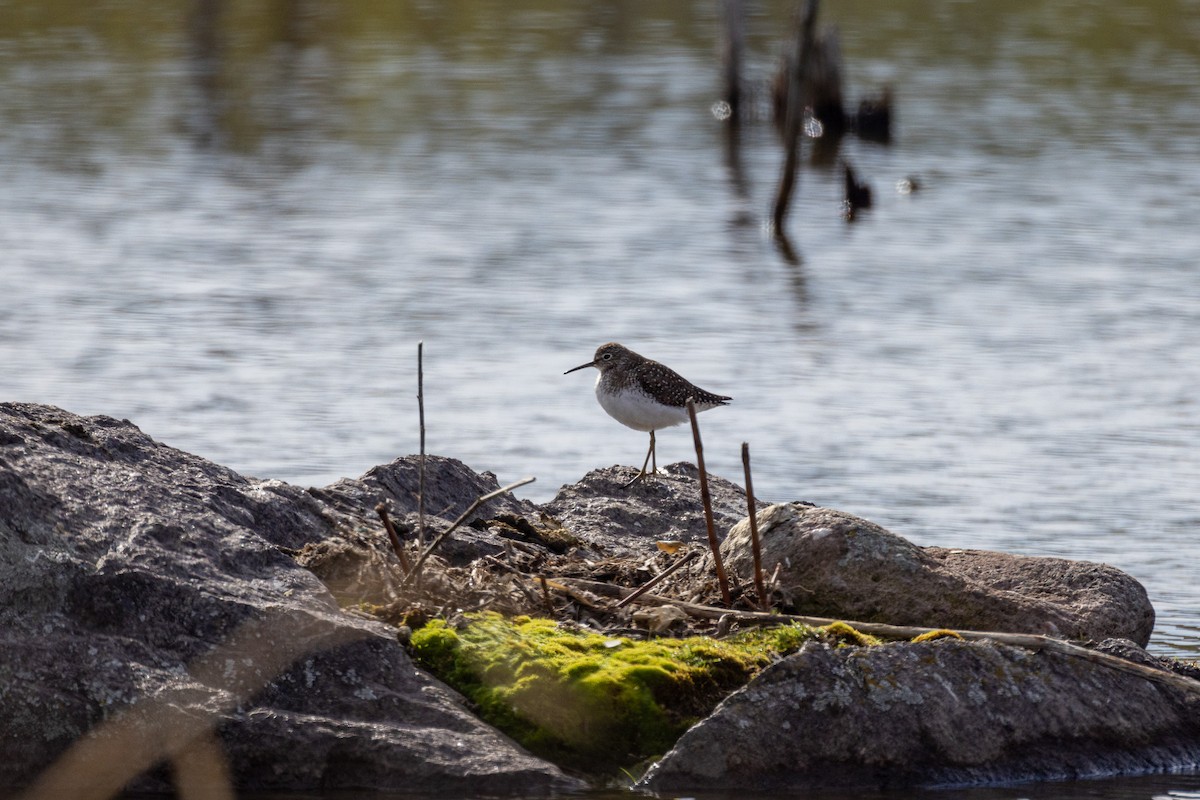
234	230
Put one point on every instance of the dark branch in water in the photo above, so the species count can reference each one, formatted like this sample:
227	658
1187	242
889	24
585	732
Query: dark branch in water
733	46
794	115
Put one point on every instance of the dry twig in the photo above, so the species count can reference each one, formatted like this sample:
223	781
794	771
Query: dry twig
1029	641
397	545
706	499
657	579
421	456
754	546
416	570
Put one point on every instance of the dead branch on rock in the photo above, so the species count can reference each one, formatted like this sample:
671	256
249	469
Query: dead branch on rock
1028	641
657	579
393	537
416	570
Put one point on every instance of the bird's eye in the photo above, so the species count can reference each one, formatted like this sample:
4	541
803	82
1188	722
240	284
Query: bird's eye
608	356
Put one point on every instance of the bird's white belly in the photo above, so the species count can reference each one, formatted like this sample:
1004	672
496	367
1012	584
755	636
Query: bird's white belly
637	410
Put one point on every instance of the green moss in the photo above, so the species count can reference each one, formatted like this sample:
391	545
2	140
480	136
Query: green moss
941	633
844	634
591	701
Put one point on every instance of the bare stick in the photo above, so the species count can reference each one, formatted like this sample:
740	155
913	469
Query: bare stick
1030	641
657	579
416	570
706	499
397	545
794	116
754	545
510	569
421	457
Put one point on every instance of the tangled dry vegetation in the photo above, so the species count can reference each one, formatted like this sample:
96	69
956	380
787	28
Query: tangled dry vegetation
526	578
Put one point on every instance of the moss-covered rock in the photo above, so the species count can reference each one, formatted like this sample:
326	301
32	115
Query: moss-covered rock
587	700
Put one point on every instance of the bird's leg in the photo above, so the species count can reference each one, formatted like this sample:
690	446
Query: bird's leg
649	454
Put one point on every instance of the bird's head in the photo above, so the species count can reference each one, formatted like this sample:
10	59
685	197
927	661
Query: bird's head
607	356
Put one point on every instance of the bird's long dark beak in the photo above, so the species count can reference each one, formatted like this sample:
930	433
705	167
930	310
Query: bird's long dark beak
581	366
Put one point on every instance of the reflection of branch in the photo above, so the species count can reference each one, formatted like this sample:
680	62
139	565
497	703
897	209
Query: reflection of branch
177	723
786	249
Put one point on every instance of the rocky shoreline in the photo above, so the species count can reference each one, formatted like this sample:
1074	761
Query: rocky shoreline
158	611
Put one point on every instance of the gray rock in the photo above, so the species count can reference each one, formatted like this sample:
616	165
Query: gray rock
1123	648
945	712
617	521
833	564
124	563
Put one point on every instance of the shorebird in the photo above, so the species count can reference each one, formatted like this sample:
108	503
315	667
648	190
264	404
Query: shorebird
644	395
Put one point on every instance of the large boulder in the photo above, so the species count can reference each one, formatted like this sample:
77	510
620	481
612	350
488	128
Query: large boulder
943	712
833	564
138	579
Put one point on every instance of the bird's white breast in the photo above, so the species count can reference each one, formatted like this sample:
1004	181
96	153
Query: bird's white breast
636	409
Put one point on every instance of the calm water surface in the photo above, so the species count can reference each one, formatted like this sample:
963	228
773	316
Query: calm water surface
232	223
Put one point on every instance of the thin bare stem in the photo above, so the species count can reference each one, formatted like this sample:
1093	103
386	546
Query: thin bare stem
416	570
397	545
657	579
706	499
1031	641
763	603
421	457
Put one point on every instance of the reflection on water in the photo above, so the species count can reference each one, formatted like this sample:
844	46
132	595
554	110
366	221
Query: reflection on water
232	222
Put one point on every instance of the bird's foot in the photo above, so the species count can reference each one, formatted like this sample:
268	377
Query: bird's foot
641	477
